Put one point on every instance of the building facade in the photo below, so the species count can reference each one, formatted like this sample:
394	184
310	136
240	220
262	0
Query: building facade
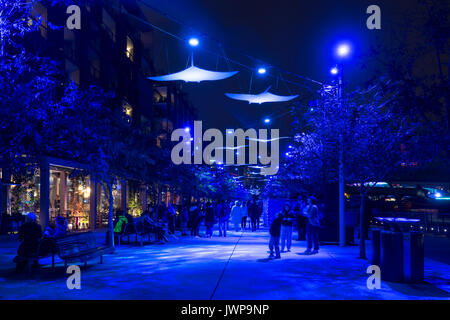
115	50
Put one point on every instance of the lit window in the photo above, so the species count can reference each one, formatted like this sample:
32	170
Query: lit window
128	109
130	49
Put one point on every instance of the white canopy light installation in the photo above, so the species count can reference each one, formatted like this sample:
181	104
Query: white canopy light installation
194	74
262	97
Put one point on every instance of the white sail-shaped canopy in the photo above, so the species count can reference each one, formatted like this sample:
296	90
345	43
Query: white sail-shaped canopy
262	97
194	74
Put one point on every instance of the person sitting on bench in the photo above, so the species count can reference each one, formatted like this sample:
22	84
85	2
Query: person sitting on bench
30	235
56	230
120	223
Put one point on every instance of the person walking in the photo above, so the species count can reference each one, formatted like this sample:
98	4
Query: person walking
286	228
275	236
244	215
235	214
194	218
312	226
253	212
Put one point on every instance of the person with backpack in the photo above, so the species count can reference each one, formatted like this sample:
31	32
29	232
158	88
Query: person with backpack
312	226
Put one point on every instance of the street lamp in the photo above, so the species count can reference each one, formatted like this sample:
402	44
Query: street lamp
343	50
267	120
262	70
193	42
334	71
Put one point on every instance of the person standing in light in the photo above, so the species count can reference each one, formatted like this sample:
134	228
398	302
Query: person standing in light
236	215
286	227
312	226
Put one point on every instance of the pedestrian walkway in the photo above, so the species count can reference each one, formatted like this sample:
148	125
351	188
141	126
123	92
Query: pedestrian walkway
235	267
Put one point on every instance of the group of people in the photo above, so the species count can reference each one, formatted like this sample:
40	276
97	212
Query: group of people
308	219
243	212
190	216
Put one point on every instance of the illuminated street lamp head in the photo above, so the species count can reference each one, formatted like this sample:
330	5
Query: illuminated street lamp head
334	71
343	50
187	129
266	120
262	70
193	42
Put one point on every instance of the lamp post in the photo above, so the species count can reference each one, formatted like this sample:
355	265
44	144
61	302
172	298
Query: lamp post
342	51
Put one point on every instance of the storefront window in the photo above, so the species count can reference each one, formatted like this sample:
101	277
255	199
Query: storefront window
69	198
24	195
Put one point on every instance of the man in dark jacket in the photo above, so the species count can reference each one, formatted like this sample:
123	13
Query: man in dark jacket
275	229
194	219
253	212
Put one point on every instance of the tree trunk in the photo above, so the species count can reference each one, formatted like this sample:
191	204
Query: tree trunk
108	188
111	215
362	228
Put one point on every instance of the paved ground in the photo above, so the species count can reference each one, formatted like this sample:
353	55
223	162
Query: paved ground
232	268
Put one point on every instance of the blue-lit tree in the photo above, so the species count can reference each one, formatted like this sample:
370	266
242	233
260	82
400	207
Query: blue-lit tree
372	132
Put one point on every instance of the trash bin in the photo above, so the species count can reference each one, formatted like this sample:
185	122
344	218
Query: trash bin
391	256
413	250
376	247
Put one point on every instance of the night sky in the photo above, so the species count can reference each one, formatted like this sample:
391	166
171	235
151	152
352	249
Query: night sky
298	36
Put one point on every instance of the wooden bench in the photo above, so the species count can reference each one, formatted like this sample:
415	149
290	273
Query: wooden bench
80	247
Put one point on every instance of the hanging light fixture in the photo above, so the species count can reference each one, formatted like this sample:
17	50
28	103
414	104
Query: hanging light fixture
262	97
194	74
